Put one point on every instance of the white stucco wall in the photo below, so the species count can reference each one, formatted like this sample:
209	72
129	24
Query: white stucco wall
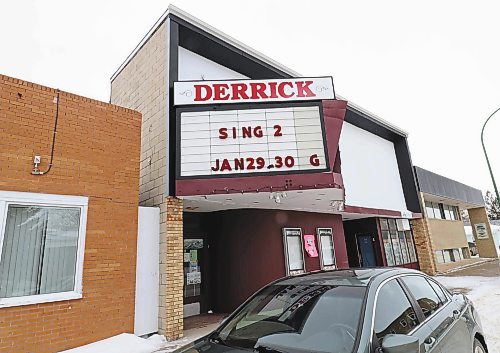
196	68
370	170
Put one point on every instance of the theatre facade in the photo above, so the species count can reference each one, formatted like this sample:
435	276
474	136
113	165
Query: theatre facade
258	172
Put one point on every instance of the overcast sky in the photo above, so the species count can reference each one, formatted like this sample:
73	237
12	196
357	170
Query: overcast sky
431	68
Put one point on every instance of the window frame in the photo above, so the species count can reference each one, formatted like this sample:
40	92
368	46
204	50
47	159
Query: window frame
401	225
47	200
407	296
320	245
441	304
290	272
418	311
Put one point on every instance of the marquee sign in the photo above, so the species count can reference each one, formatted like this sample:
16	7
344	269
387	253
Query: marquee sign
236	142
248	91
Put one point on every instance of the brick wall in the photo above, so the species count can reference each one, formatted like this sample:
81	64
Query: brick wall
424	244
96	155
142	86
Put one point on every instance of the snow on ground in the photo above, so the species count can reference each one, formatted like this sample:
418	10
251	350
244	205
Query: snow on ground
485	294
129	343
122	343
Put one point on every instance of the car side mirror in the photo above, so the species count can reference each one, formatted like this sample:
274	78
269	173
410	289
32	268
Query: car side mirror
400	344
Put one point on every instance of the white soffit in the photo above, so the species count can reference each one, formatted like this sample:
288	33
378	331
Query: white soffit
316	200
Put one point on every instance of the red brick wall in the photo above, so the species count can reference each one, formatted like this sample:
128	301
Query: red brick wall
96	155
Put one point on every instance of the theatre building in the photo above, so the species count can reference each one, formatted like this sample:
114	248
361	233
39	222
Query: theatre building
257	172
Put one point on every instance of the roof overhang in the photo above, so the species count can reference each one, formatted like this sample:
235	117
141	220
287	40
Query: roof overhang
328	200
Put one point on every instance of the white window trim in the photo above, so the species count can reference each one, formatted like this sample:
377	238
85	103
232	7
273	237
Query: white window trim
320	244
285	244
38	199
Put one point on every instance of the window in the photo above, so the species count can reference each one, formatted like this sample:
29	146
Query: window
398	241
466	253
294	251
439	291
434	210
423	293
429	209
411	246
440	256
404	248
396	247
326	248
41	253
389	255
447	255
291	317
393	312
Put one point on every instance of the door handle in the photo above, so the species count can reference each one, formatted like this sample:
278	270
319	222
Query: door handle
429	342
456	314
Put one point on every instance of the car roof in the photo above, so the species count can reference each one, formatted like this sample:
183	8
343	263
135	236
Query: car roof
360	277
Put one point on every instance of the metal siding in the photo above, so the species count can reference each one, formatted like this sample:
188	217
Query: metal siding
435	184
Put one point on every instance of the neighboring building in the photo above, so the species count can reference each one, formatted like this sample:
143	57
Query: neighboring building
495	230
443	200
67	236
346	197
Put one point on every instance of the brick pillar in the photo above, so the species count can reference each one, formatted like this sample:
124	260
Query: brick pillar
485	247
424	246
171	269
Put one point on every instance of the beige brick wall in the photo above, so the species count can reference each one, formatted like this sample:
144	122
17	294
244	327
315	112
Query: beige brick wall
424	243
447	234
142	86
424	246
96	155
485	247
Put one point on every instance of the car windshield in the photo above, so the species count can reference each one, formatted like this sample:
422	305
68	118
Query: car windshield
297	318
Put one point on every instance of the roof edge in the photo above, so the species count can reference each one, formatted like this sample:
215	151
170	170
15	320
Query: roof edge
375	118
174	10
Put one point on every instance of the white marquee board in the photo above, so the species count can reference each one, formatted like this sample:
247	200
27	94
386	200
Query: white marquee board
272	140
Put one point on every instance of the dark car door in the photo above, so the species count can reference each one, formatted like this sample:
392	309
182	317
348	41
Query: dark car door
442	316
395	314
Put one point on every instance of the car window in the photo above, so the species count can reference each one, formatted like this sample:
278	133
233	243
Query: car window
393	313
437	288
423	293
298	318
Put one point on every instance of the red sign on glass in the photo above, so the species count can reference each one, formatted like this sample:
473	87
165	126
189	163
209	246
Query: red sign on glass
310	245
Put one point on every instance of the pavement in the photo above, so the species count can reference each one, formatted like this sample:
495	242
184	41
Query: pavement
194	327
453	266
487	268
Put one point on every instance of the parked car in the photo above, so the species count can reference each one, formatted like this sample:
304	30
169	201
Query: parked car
379	310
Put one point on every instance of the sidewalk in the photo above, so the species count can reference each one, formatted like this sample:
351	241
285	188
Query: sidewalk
451	267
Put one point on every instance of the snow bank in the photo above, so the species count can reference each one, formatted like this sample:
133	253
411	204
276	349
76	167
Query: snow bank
485	294
123	343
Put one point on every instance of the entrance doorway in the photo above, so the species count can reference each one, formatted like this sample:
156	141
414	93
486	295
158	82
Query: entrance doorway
366	250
